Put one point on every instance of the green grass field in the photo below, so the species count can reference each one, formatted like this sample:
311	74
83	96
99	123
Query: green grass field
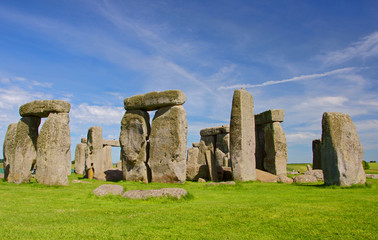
249	210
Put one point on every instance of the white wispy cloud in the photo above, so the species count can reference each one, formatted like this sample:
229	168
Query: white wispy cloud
293	79
301	137
106	115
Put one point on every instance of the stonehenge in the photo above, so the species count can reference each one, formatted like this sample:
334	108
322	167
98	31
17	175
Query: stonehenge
154	153
80	155
9	148
316	151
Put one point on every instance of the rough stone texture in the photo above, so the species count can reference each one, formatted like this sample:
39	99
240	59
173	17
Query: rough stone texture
42	108
192	166
9	148
260	144
168	145
212	131
341	151
25	151
220	183
242	137
285	179
113	175
210	162
79	181
112	143
196	145
53	151
270	116
83	140
316	173
222	150
263	176
108	162
80	158
135	128
201	180
106	189
155	100
275	147
316	151
227	174
163	192
305	179
207	143
95	153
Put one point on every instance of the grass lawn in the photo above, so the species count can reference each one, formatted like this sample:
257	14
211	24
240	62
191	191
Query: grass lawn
249	210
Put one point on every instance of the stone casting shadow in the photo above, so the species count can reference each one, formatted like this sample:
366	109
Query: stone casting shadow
113	175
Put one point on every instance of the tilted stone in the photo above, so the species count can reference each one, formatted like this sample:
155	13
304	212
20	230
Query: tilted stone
112	143
270	116
316	151
9	148
135	128
95	153
341	151
53	153
42	108
155	100
263	176
168	145
215	131
242	137
26	150
275	147
80	153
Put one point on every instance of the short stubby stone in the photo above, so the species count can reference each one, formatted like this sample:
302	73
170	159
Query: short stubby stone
83	140
155	100
9	148
305	179
42	108
215	131
285	179
270	116
168	140
135	128
192	165
318	173
113	175
242	136
163	192
263	176
80	153
107	189
341	151
53	151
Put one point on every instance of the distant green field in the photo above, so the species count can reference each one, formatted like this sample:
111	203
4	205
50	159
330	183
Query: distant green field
373	168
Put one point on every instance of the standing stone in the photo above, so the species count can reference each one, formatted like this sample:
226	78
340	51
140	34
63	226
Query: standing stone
207	143
95	152
192	166
108	162
80	150
168	145
54	155
275	160
222	145
9	148
26	150
316	151
242	136
260	146
135	128
341	151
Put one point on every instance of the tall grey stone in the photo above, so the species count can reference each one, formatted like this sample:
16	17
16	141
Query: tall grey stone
135	128
95	153
53	153
168	145
316	151
341	151
9	147
25	151
242	136
275	160
80	150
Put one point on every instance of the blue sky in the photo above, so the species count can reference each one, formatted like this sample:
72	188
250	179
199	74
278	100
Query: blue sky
306	57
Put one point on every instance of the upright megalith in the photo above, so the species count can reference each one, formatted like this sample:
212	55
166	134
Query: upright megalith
341	151
53	154
26	150
242	136
9	148
95	153
135	129
316	152
168	140
80	155
192	166
155	100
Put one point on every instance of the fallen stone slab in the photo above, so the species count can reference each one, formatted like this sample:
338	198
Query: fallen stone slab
201	180
220	183
373	176
163	192
107	189
263	176
42	108
305	179
155	100
79	181
316	173
270	116
285	179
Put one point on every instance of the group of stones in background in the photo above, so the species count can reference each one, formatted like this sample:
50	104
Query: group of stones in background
94	153
155	153
256	142
339	152
49	151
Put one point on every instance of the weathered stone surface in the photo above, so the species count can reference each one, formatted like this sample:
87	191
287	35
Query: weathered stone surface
270	116
113	175
318	173
196	145
207	143
80	154
135	128
168	145
316	151
80	181
201	180
42	108
222	150
26	150
95	153
242	137
210	162
163	192
305	179
260	146
212	131
83	140
285	179
107	189
107	158
112	143
53	151
341	151
155	100
9	148
192	166
220	183
263	176
227	174
275	147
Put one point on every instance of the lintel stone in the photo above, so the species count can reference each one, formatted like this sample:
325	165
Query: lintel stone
155	100
272	115
212	131
113	143
42	108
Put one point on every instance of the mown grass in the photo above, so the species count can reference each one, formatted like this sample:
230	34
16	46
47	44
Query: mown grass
249	210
